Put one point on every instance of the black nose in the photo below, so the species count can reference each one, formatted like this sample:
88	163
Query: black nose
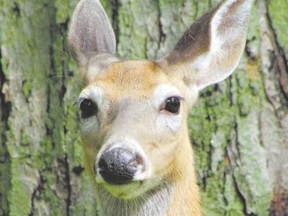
118	165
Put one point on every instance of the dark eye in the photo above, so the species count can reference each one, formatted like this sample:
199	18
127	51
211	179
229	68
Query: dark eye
172	104
88	108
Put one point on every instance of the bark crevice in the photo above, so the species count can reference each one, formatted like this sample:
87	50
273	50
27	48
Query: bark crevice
115	14
281	61
5	109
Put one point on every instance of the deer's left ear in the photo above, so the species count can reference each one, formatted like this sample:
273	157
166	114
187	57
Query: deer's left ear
211	49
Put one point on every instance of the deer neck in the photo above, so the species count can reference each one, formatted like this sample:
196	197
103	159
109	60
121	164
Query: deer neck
186	199
154	203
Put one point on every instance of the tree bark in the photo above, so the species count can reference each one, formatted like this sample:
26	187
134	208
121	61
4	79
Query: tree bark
239	128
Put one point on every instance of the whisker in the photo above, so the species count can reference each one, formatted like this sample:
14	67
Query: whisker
60	50
71	77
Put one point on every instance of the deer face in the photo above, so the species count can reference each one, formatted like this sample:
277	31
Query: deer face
133	118
134	112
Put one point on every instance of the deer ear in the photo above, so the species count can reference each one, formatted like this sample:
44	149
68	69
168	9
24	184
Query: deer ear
211	49
90	32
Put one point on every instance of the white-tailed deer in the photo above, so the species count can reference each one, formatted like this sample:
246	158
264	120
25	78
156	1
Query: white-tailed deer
134	113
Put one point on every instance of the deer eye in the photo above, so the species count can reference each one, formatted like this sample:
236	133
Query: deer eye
88	108
172	104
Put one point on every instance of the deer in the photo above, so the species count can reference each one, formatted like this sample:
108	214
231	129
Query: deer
134	113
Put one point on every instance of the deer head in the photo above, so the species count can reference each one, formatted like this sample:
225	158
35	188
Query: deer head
134	113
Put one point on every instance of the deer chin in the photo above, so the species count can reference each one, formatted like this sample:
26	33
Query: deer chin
131	190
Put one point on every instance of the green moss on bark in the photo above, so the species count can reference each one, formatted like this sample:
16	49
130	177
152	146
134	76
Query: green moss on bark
226	124
279	19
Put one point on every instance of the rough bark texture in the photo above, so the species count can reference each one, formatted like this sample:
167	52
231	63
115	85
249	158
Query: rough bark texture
239	128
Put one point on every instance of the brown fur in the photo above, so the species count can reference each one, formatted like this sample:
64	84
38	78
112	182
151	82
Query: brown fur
178	172
130	95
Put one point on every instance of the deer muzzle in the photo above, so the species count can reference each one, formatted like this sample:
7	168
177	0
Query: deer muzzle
119	165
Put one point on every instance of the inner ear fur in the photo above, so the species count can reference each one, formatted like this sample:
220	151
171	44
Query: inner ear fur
91	34
212	47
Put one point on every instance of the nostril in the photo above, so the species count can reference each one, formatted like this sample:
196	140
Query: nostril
118	165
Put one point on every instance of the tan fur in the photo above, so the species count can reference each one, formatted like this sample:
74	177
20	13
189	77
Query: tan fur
130	97
176	167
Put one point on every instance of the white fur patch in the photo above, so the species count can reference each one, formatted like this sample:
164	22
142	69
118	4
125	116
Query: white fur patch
239	20
227	27
166	122
93	93
96	95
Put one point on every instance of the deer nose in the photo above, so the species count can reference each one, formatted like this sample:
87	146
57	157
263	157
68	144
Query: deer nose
118	165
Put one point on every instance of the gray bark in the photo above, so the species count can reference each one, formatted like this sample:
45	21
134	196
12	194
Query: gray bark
238	128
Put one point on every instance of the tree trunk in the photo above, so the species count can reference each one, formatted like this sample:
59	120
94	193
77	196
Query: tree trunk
239	128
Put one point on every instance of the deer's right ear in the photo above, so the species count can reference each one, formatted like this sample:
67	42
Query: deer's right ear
90	33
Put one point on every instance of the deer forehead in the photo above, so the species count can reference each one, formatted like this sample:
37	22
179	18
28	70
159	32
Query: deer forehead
139	80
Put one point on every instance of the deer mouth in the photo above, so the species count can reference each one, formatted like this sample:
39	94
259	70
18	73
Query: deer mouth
131	190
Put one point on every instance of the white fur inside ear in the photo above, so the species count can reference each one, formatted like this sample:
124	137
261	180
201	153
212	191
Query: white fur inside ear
202	67
216	22
228	33
166	122
235	23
